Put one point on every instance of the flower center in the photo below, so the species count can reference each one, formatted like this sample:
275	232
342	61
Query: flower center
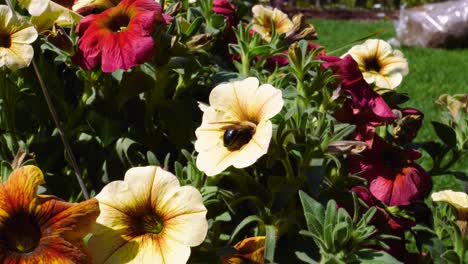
393	161
5	40
152	224
237	135
372	64
119	23
22	233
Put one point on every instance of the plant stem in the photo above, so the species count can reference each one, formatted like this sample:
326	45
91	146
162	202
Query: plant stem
66	145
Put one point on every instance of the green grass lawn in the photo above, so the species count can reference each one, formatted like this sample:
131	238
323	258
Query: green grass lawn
432	72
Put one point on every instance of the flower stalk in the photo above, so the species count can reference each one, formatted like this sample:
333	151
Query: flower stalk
58	125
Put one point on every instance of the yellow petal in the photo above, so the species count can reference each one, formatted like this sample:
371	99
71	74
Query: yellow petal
140	250
234	97
458	200
369	77
55	14
184	211
266	102
215	160
388	81
394	64
25	36
108	233
17	56
164	186
101	4
133	192
256	147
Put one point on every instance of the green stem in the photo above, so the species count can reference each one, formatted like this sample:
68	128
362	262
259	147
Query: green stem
68	150
287	166
245	66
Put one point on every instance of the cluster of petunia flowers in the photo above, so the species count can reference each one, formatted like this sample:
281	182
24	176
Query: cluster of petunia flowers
155	219
146	218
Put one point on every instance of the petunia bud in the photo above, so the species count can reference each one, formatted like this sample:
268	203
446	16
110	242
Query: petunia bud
347	147
294	52
407	125
300	30
60	39
200	41
173	9
455	104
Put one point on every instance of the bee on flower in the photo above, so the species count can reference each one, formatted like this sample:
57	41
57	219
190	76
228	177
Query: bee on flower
236	128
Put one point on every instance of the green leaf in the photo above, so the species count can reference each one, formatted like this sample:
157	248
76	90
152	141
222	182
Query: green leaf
270	243
194	27
451	257
329	224
445	133
107	129
370	256
248	220
303	256
312	207
5	170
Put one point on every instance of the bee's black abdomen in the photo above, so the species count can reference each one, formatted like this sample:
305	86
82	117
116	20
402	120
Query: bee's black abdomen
234	138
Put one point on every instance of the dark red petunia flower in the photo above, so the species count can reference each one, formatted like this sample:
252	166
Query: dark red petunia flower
366	109
394	178
387	223
228	10
120	37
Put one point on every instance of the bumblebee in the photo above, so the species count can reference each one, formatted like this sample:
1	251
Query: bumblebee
236	136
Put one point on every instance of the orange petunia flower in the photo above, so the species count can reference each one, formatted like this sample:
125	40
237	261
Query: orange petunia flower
249	251
41	228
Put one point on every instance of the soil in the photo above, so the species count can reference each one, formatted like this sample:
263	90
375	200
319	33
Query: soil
341	14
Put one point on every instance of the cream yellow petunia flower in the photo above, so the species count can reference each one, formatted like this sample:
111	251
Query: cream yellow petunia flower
379	63
16	35
264	17
458	200
147	218
236	129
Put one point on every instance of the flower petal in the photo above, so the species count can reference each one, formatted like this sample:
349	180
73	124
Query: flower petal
183	211
109	233
17	56
21	187
234	97
215	160
150	249
266	102
256	147
24	36
134	191
458	200
72	223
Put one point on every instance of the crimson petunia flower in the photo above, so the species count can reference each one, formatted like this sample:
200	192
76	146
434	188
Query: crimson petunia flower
41	228
120	37
394	178
366	109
